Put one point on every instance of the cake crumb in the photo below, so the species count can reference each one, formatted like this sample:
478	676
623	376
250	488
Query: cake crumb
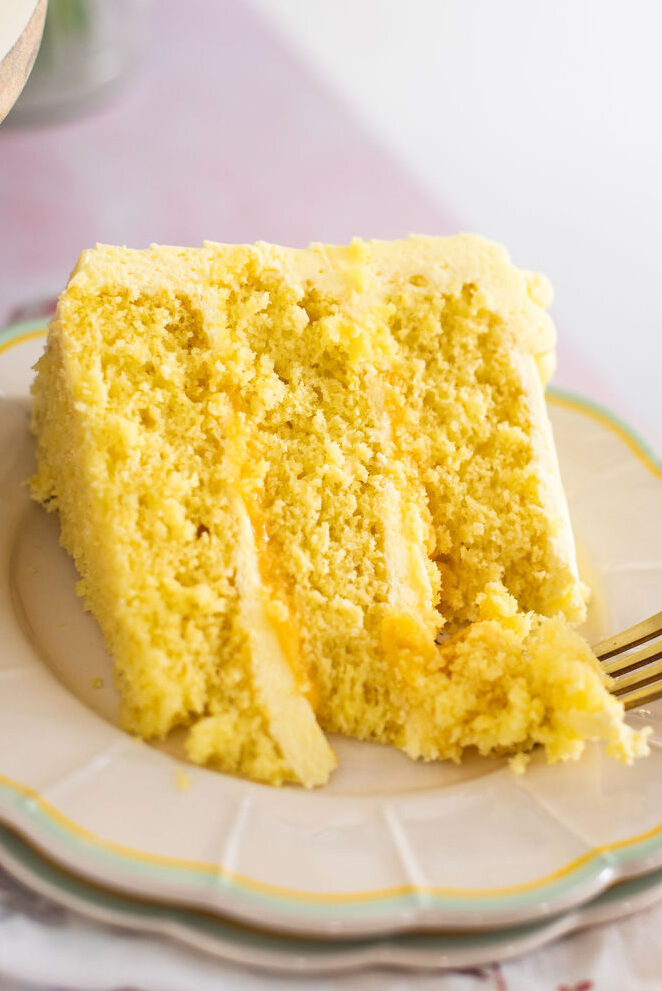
518	763
182	780
96	683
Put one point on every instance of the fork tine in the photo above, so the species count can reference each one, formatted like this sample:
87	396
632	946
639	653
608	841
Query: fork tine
640	677
628	662
632	637
642	696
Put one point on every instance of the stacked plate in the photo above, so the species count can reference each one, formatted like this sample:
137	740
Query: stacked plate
393	862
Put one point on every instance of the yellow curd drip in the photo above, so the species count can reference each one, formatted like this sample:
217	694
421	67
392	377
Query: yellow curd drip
277	602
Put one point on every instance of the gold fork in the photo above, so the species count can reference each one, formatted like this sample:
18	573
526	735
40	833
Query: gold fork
637	673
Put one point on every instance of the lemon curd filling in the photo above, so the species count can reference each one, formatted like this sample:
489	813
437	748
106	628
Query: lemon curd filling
316	490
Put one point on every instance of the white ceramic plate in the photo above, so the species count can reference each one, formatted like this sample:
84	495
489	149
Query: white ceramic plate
236	943
389	845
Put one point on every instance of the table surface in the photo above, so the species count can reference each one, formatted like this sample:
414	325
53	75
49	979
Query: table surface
536	124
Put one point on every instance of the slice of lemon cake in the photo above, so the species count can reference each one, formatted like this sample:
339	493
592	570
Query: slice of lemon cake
280	472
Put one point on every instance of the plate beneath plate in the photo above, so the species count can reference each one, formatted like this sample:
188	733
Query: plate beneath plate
390	845
227	941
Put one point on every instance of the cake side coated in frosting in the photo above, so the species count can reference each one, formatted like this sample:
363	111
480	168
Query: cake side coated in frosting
282	473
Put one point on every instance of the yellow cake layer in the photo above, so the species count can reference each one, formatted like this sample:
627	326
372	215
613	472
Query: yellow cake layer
281	472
